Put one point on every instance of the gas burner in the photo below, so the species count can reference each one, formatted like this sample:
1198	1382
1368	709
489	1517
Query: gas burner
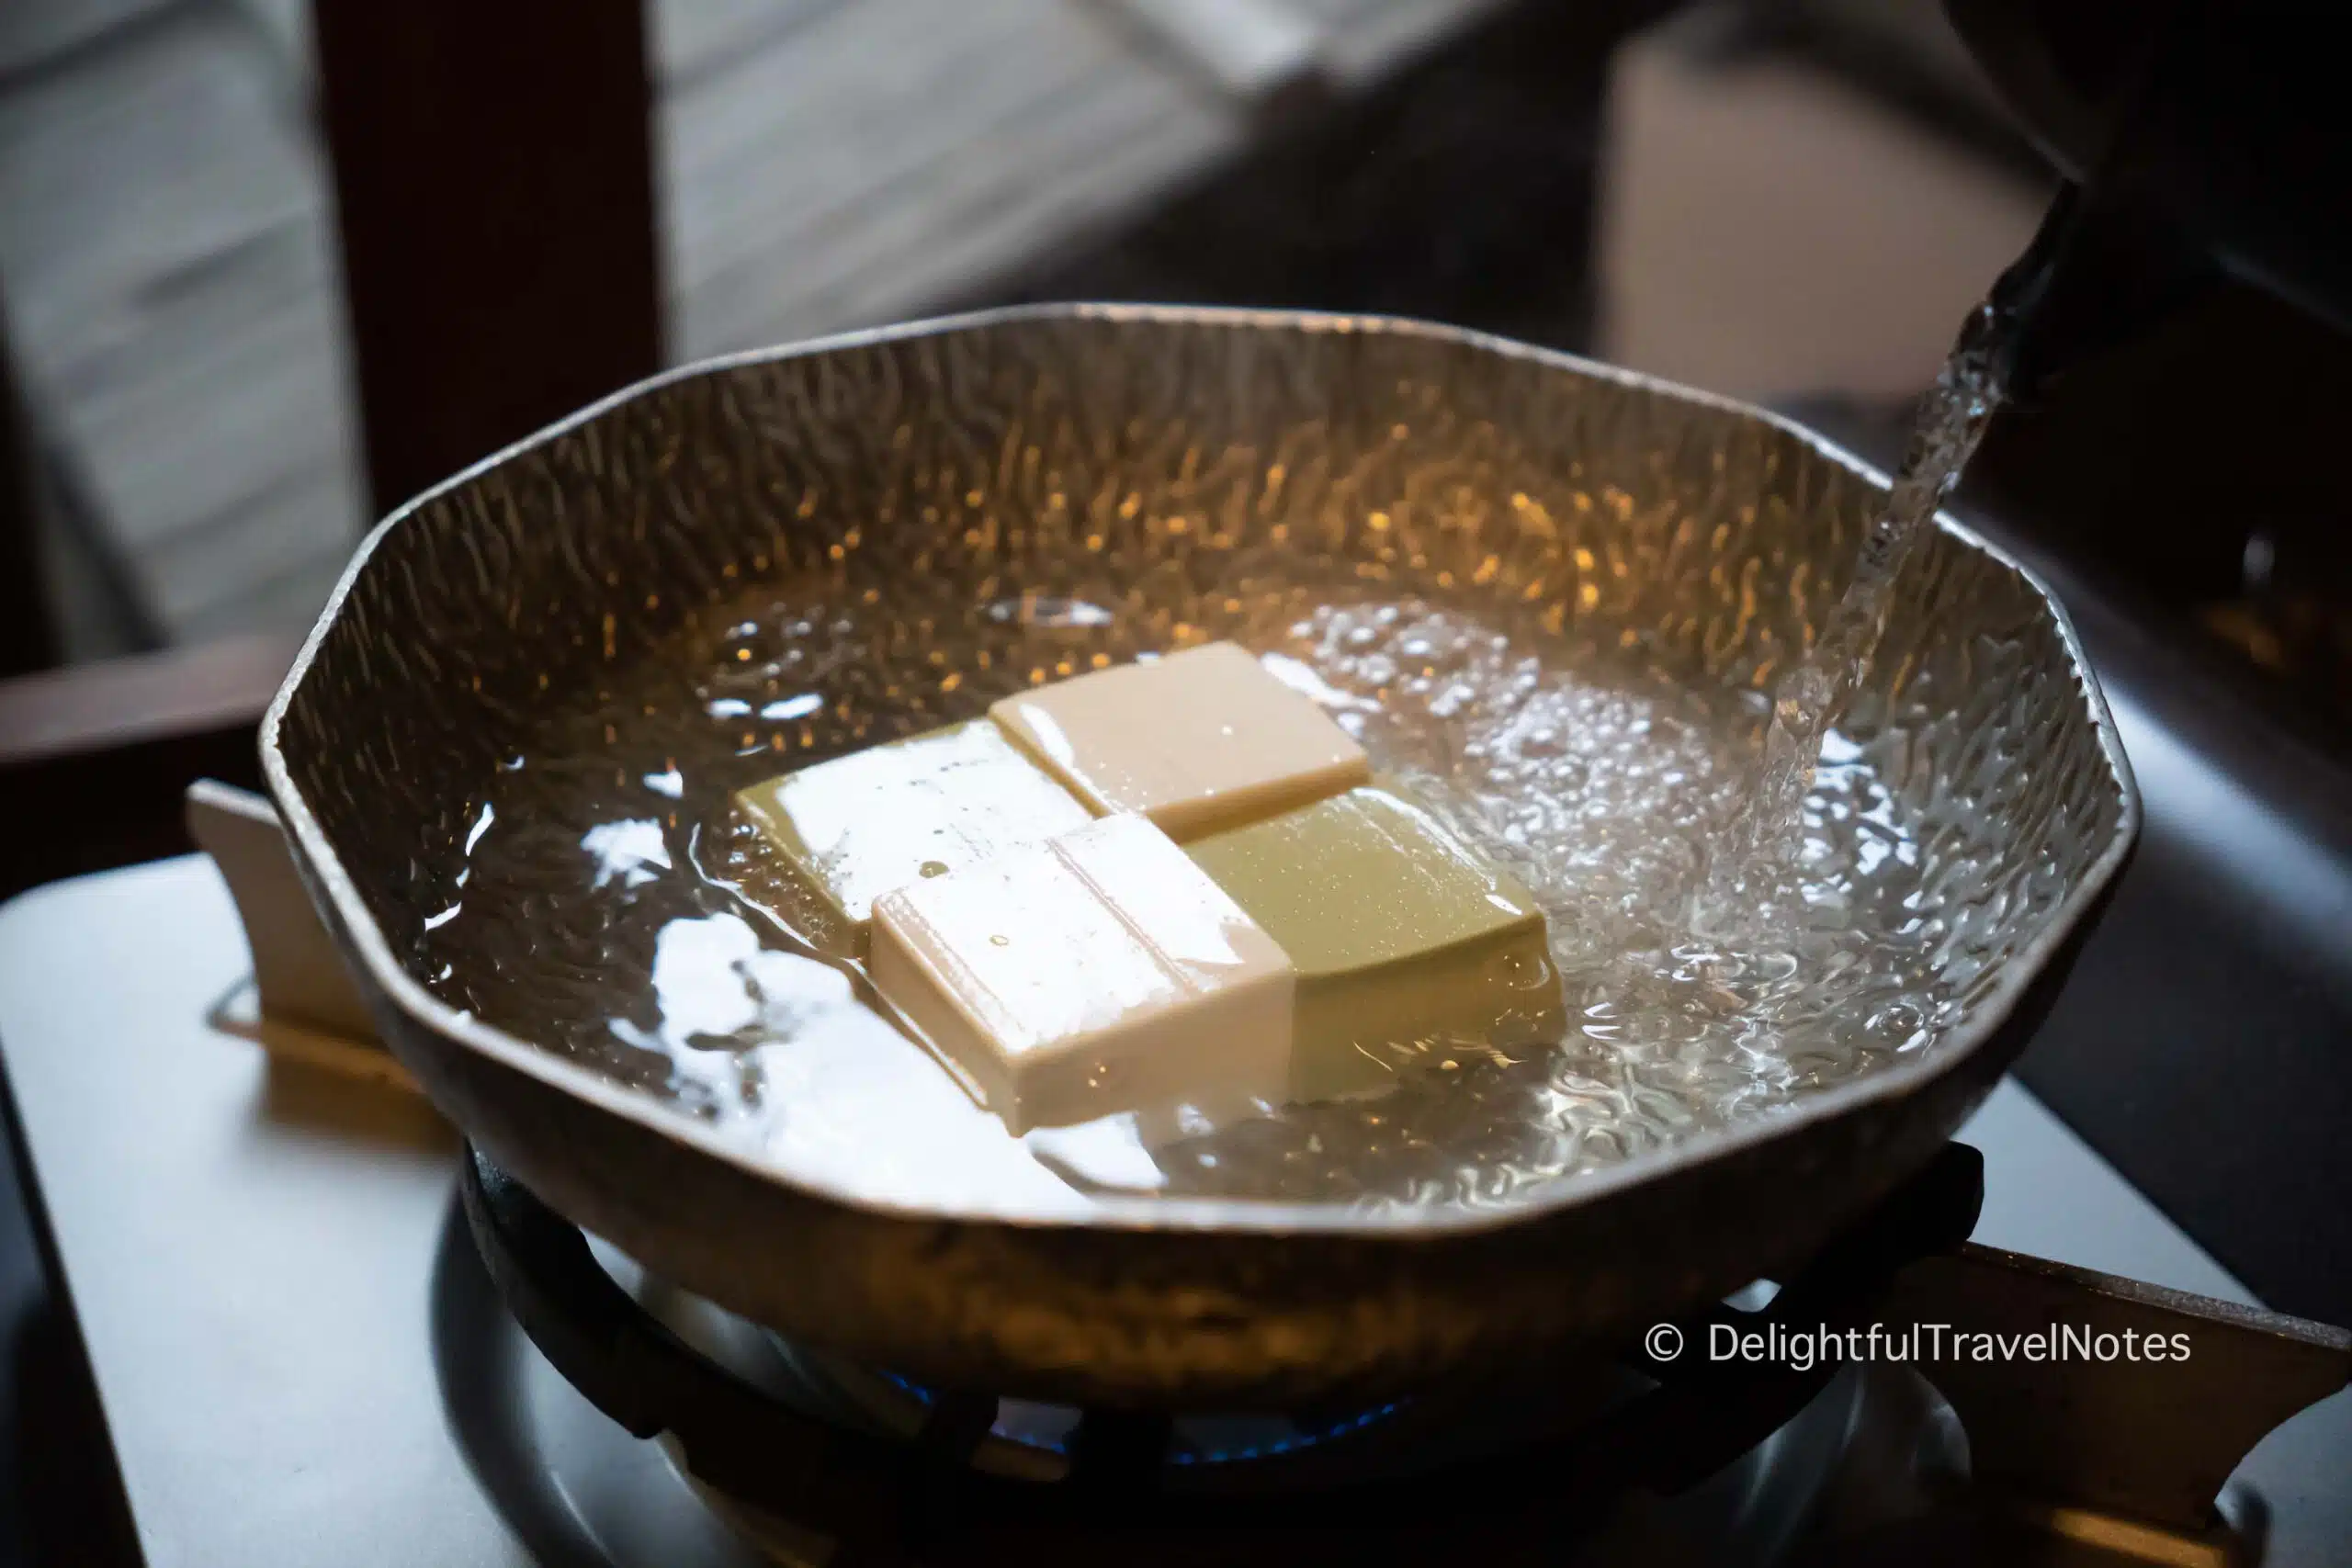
776	1451
1032	1442
798	1446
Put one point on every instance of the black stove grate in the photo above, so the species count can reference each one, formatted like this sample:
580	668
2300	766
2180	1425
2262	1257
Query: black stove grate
1131	1473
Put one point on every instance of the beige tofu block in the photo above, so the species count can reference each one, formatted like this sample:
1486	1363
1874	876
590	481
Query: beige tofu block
846	831
1196	742
1100	972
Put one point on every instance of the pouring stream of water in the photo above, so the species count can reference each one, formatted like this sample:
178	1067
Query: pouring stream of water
1812	695
1748	868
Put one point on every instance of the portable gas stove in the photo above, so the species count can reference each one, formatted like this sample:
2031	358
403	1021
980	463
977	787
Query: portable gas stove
279	1278
1733	1460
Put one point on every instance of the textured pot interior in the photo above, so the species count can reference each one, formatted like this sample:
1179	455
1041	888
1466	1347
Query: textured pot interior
1047	451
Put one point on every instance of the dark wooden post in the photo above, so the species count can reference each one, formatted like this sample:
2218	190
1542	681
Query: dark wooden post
27	631
494	172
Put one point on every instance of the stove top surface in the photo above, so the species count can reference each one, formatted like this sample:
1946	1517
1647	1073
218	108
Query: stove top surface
329	1363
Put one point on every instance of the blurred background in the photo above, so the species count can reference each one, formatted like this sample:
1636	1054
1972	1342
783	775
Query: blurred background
1734	201
264	273
264	277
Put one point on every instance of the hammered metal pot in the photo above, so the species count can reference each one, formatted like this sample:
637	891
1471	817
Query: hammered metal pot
1705	530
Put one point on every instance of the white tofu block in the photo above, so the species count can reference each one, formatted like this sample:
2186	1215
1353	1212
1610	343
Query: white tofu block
1196	742
845	832
1100	972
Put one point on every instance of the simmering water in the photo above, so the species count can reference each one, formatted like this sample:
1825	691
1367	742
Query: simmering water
595	913
1734	922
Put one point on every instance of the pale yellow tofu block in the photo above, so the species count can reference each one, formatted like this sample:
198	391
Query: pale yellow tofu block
843	832
1099	971
1196	742
1402	934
